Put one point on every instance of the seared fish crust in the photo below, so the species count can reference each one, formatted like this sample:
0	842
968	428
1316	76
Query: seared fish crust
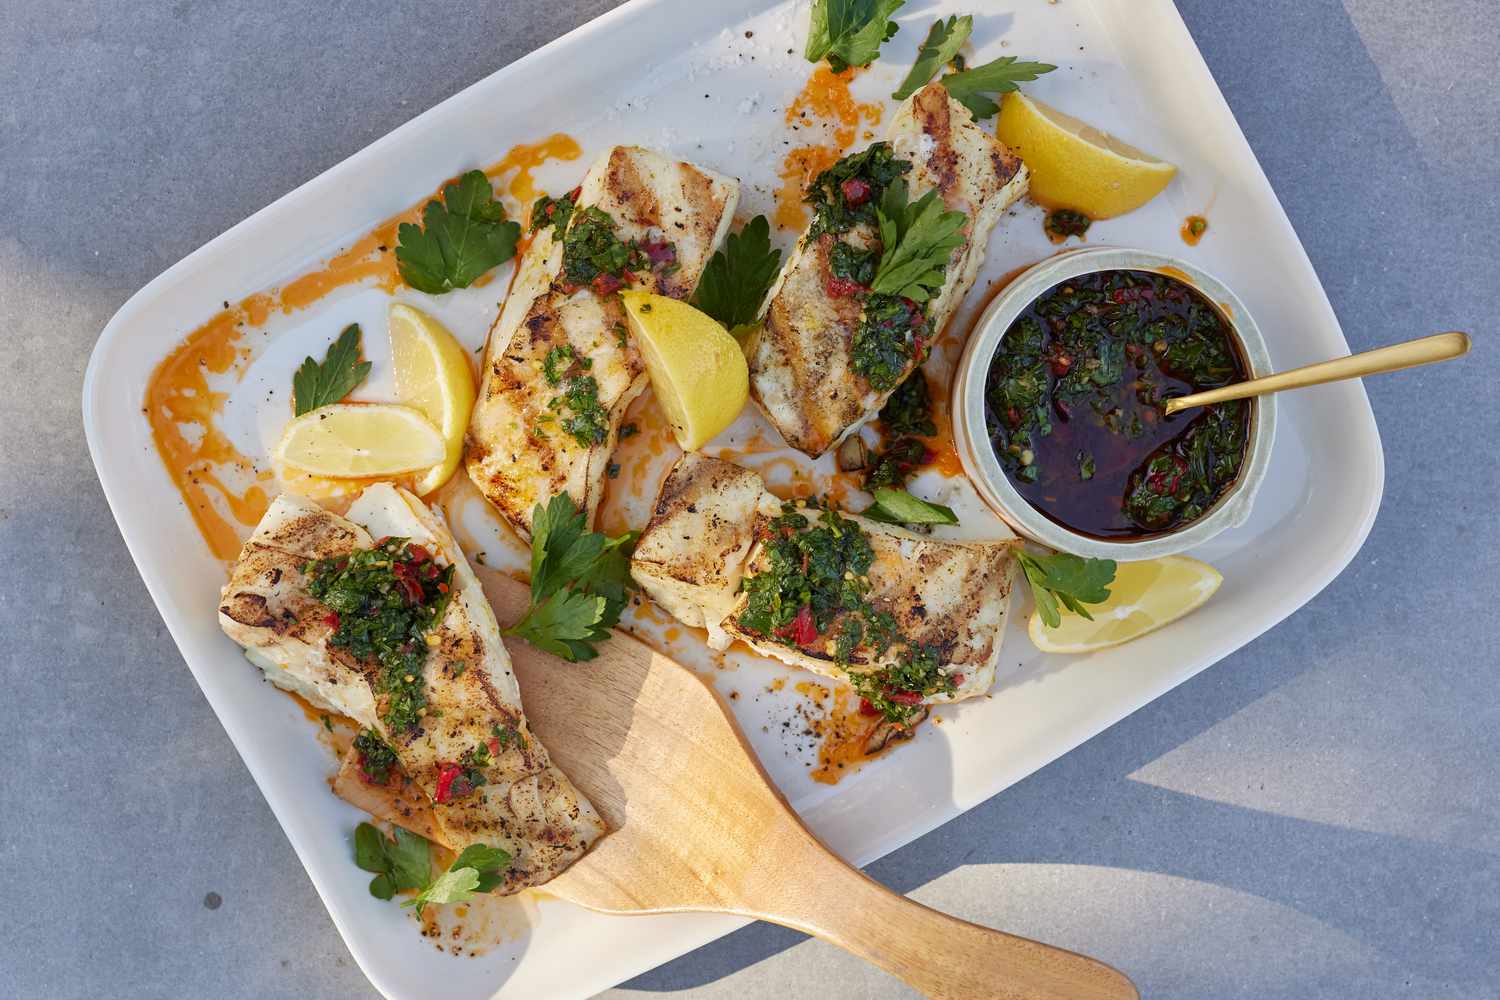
514	458
801	364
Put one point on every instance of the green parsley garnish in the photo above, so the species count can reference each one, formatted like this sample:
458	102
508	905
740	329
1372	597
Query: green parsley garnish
400	864
1068	580
591	248
579	581
917	240
316	385
1064	222
899	691
896	462
909	409
461	237
943	42
405	863
554	212
376	759
738	276
865	174
900	507
850	32
477	869
384	602
999	76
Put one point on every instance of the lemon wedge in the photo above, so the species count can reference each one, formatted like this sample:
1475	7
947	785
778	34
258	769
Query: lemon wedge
432	375
1144	596
696	367
361	439
1075	165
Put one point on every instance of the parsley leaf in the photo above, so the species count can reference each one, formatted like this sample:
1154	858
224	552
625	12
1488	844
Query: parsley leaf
942	44
456	885
738	276
477	869
908	411
1068	580
579	581
461	237
917	240
998	77
316	385
850	32
403	863
900	507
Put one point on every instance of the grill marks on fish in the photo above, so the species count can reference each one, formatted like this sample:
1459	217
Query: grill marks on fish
528	806
801	371
702	541
514	454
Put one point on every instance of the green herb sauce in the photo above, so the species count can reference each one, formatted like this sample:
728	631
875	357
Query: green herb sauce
815	593
383	602
1074	404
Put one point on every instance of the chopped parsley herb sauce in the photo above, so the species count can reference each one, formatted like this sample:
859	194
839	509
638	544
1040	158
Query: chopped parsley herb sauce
554	212
377	761
383	601
813	596
596	257
578	406
893	330
1064	222
1074	400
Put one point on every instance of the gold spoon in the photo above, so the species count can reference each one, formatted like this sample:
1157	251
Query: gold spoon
1422	351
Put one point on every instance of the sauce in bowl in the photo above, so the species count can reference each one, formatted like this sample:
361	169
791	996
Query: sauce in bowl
1073	404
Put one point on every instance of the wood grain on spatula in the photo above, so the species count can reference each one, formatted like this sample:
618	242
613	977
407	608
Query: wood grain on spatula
697	825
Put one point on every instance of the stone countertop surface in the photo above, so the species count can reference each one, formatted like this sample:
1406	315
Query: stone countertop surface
1316	816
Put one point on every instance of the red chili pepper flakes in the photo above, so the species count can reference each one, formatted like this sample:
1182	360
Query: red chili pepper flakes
332	620
447	774
605	284
866	708
856	191
958	680
843	288
904	697
494	745
802	630
442	588
418	553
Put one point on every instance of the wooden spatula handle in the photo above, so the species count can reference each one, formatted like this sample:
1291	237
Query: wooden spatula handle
939	955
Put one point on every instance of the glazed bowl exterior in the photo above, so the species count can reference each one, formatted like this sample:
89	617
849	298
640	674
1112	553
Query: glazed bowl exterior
971	435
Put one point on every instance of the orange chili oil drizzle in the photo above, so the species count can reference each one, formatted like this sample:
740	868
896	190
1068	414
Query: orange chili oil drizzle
824	101
183	410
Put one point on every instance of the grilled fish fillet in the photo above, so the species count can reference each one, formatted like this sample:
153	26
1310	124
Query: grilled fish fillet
527	805
650	198
703	541
801	373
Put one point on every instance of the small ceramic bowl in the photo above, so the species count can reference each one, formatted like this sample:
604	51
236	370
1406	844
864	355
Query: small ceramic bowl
971	437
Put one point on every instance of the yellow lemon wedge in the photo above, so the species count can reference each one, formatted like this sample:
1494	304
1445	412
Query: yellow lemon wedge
1075	165
433	376
361	439
1144	596
696	367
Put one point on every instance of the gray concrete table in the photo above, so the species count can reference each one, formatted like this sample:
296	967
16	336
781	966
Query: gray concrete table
1318	815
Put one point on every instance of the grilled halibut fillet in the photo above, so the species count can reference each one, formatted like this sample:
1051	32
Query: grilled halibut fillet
705	538
801	373
527	806
517	452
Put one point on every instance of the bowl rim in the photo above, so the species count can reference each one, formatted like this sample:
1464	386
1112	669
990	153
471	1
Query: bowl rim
971	436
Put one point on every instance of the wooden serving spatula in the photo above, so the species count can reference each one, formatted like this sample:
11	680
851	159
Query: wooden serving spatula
690	810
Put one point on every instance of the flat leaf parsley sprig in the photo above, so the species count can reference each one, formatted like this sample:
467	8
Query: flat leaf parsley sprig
461	237
1068	580
316	385
737	278
579	582
404	862
850	32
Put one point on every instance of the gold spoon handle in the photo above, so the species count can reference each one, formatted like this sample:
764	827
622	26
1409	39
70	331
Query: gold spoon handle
1422	351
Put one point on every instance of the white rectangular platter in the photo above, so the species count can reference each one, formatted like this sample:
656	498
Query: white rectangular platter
710	81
